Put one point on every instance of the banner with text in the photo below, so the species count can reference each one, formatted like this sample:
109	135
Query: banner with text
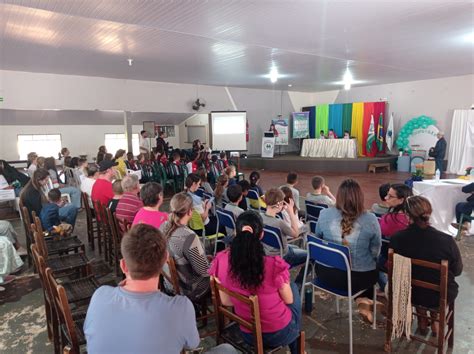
300	125
281	131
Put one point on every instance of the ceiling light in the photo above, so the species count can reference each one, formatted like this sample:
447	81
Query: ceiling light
347	79
273	75
290	85
130	61
469	37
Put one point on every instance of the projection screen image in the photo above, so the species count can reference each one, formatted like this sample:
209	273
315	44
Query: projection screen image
228	130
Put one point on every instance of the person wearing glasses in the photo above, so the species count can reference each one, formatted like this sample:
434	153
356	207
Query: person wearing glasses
396	219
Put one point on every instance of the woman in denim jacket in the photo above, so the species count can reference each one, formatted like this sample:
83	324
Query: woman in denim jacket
350	225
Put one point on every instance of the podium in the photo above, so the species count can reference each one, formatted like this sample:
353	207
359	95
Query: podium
268	144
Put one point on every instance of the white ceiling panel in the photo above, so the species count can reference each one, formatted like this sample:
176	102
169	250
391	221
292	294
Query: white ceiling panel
235	43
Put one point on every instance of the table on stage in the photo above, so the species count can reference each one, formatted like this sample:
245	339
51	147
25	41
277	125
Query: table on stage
339	148
443	196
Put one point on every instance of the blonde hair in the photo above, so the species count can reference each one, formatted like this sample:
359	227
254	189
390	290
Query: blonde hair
273	196
180	205
350	201
222	181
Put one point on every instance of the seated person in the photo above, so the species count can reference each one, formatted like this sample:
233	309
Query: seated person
321	193
382	208
231	172
11	178
193	164
220	191
50	218
465	208
291	182
202	173
102	190
74	192
10	261
302	228
234	193
121	167
396	219
214	169
291	254
136	317
348	224
129	204
347	135
186	249
321	135
421	241
245	185
223	162
130	161
254	180
7	230
118	193
91	175
151	195
245	269
32	165
332	134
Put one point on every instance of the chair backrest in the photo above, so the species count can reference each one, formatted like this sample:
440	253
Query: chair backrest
63	309
252	194
313	210
222	312
196	222
170	273
329	254
38	225
199	192
272	238
41	267
226	218
40	243
121	225
86	202
312	226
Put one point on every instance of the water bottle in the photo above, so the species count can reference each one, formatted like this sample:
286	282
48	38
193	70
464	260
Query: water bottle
437	175
471	175
308	300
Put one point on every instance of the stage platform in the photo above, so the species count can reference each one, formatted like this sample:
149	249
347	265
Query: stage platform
293	162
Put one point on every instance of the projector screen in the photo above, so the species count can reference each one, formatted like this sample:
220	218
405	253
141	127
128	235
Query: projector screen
228	130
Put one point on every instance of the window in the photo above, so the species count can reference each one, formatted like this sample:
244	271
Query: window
44	145
114	142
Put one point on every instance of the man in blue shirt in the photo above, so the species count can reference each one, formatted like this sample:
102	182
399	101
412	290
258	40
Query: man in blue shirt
50	216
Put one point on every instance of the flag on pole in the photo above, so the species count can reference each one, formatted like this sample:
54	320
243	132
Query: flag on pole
380	133
371	134
390	134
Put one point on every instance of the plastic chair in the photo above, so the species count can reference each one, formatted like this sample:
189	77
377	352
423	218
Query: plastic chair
197	225
226	332
272	238
445	311
335	256
254	200
313	210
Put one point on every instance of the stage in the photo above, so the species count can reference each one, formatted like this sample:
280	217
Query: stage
293	162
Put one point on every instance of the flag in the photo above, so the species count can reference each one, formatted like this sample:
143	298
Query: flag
371	134
390	134
380	133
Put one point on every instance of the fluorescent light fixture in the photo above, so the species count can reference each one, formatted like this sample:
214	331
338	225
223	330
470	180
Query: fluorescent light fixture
469	38
348	79
290	85
273	75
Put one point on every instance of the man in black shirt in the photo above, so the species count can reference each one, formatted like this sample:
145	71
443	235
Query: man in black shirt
465	208
161	144
439	151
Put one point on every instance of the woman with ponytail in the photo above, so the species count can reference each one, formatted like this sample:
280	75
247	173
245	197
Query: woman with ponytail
186	249
348	224
245	269
421	241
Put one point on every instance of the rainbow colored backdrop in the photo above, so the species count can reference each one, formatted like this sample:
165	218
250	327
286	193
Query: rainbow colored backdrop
353	117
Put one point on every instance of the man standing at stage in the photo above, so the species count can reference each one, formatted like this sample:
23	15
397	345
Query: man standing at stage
439	151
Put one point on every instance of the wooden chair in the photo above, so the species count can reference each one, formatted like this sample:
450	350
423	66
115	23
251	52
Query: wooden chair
170	273
70	325
26	221
92	224
445	311
103	229
226	332
117	234
62	265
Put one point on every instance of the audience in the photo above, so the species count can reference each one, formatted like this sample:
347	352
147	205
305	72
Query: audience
231	172
302	228
254	179
382	207
234	193
186	249
151	195
32	158
121	167
291	182
10	261
348	224
222	161
396	219
245	269
74	193
101	154
118	193
465	208
129	203
130	162
291	254
136	317
220	191
7	230
245	185
32	196
102	190
321	193
50	218
202	173
193	182
421	241
87	183
193	164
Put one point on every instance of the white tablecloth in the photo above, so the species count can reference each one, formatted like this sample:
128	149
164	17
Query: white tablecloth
443	197
340	148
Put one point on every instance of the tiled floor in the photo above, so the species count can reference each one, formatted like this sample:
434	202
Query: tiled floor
22	319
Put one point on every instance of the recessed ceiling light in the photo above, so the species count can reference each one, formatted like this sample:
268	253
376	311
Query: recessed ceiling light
290	85
348	79
469	37
130	61
273	75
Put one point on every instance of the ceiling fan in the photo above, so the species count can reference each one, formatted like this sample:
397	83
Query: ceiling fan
198	104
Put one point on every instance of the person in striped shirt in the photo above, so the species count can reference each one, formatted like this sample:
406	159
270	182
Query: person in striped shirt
130	203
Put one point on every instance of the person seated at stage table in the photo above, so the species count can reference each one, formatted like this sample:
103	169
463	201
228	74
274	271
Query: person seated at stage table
321	135
350	225
465	208
396	219
291	182
421	241
321	193
382	207
130	203
118	193
331	134
347	135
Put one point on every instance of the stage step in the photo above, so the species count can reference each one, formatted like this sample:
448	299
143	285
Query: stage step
374	166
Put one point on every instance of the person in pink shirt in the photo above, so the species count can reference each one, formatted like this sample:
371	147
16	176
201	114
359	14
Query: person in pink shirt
151	195
396	219
245	269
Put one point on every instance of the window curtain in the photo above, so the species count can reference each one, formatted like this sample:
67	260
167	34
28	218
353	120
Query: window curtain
312	120
357	119
346	117
461	143
322	118
335	119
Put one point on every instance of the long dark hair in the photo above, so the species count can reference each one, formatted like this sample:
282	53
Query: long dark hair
403	192
254	177
350	201
247	257
34	184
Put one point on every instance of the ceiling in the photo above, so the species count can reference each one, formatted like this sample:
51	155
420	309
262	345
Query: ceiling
235	43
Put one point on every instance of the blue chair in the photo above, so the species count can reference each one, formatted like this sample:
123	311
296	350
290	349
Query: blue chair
272	238
254	200
225	218
313	210
199	192
337	256
312	226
